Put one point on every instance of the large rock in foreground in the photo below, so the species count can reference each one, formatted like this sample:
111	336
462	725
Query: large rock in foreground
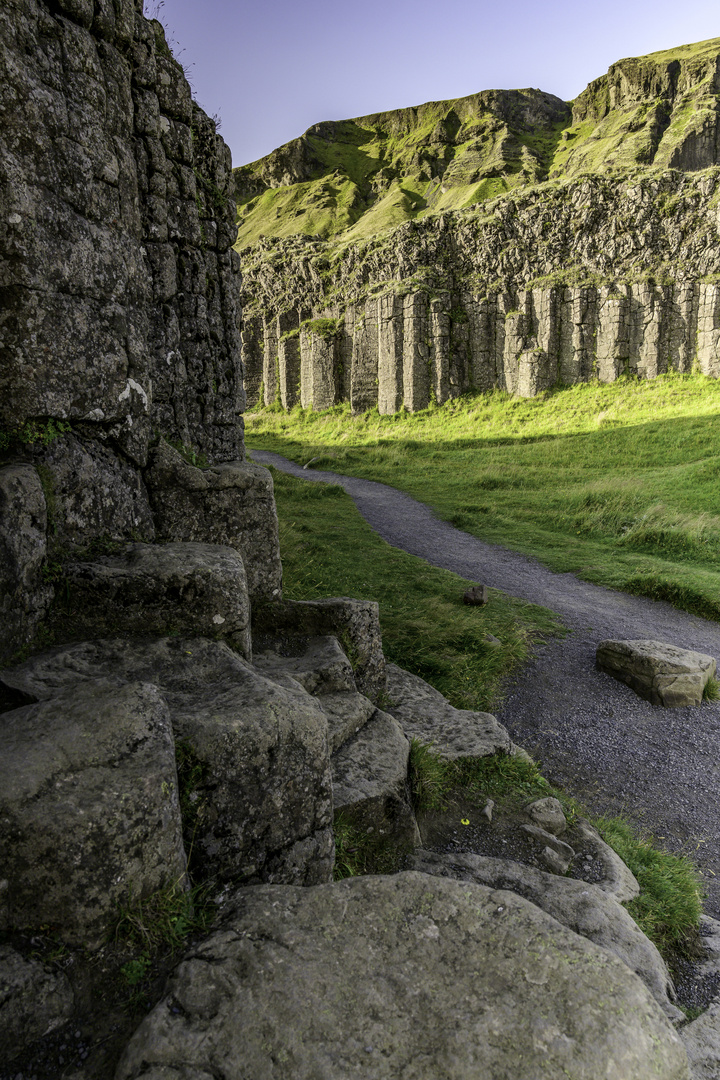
657	671
89	813
404	976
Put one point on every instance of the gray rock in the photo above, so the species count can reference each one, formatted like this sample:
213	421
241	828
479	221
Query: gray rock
477	595
346	714
355	623
95	493
152	589
24	594
318	664
408	975
265	784
369	776
617	878
548	814
701	1039
89	812
426	715
657	671
230	504
579	906
556	854
34	1001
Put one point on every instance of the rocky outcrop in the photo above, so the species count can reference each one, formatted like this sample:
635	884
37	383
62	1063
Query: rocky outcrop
662	673
464	981
119	291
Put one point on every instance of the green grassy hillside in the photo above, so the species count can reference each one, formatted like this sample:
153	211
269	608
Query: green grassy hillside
351	179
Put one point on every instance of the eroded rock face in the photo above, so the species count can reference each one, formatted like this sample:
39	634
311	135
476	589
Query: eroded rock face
662	673
230	504
426	715
399	976
370	781
355	623
33	1001
24	595
264	787
150	589
89	812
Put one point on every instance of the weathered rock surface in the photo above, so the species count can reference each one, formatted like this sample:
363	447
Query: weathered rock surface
24	595
370	781
578	905
426	715
536	288
617	878
265	787
476	596
662	673
346	714
355	623
33	1001
317	663
89	810
230	504
400	976
701	1036
152	589
548	814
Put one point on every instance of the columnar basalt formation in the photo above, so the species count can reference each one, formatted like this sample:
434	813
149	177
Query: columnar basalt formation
602	259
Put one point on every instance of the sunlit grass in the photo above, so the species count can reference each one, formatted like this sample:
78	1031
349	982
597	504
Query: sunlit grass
619	483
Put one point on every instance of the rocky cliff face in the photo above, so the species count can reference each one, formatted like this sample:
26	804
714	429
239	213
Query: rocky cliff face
608	267
119	285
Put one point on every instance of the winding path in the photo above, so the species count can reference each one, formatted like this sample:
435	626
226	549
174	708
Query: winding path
593	735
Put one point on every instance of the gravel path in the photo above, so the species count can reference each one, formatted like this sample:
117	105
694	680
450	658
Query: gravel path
592	734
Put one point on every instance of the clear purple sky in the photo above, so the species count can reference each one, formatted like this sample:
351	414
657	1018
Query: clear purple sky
271	69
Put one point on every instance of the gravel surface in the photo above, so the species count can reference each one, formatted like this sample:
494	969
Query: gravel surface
617	752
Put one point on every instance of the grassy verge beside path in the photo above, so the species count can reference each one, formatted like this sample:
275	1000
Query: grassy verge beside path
618	483
328	549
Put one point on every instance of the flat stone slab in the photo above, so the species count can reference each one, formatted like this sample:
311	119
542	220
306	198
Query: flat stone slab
426	715
407	976
657	671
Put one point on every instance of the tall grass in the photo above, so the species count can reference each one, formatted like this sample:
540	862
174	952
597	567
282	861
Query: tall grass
618	482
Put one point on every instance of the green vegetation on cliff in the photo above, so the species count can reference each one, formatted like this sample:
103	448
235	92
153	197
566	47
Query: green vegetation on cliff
351	179
615	482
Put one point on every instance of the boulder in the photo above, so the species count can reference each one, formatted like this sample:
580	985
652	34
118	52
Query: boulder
476	595
24	594
230	504
34	1000
89	812
657	671
556	854
355	623
702	1043
262	787
426	715
579	906
402	976
346	714
152	589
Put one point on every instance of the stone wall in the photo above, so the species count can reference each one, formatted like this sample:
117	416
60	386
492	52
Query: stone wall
590	279
119	295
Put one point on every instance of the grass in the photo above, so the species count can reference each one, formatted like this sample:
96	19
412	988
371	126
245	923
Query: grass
669	906
328	549
617	482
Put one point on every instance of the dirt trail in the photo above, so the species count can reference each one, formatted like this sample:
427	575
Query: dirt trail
660	767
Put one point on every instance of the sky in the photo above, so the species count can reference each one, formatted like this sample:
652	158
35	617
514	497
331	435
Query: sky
270	70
